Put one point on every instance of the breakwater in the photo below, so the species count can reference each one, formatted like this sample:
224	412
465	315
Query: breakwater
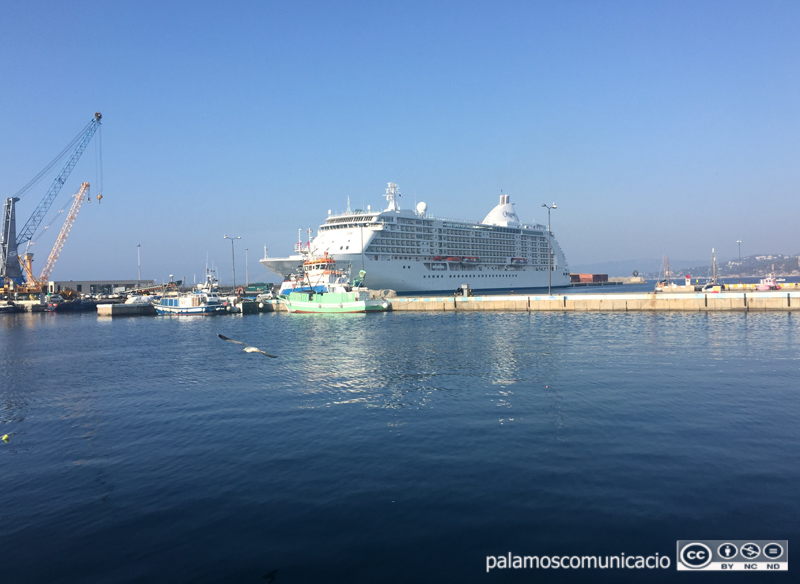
610	302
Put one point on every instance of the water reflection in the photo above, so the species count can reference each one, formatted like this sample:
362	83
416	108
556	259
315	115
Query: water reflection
400	361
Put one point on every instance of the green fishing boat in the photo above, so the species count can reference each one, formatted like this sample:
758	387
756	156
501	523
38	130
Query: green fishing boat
323	288
334	302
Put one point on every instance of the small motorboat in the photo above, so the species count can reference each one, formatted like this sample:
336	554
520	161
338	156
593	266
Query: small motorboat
768	283
11	308
77	305
204	299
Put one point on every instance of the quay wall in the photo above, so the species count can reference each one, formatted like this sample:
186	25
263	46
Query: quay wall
699	302
604	302
125	310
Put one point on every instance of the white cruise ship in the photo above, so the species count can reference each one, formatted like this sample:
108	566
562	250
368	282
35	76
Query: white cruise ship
413	251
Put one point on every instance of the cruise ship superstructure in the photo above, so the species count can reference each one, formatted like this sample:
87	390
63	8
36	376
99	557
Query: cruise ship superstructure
412	251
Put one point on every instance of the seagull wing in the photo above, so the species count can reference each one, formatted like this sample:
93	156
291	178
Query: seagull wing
250	349
224	338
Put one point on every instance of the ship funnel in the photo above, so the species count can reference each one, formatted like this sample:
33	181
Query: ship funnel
503	214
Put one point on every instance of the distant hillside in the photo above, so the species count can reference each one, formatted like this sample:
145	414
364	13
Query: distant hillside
755	266
625	267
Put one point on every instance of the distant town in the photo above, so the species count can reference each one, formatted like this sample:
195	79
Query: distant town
756	266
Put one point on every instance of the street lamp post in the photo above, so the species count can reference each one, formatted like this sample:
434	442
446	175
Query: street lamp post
233	259
740	260
139	261
549	247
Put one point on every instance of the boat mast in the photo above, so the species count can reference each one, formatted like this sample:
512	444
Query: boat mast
668	274
714	267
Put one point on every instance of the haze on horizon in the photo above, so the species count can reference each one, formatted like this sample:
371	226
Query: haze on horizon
666	127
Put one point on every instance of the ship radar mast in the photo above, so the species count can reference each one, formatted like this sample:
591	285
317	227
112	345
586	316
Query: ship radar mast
391	191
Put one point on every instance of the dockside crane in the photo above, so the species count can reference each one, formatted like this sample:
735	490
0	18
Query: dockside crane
10	262
38	284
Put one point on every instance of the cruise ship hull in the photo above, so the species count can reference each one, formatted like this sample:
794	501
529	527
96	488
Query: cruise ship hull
421	277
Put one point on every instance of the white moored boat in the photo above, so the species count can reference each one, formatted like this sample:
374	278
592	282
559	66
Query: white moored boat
412	251
204	299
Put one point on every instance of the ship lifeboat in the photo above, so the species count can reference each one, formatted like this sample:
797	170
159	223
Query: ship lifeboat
469	259
437	258
453	259
519	261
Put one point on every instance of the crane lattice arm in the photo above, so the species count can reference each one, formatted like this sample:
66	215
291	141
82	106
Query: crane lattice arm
27	231
62	236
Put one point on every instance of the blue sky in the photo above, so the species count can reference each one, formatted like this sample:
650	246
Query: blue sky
657	127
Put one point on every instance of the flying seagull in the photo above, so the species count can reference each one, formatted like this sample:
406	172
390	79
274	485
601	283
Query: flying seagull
247	348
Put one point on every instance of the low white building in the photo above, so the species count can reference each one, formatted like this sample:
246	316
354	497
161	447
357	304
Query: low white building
98	286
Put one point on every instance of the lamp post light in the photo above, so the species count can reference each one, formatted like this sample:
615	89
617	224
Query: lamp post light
139	261
233	259
549	247
740	260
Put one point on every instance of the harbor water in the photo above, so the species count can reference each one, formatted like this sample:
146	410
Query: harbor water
393	447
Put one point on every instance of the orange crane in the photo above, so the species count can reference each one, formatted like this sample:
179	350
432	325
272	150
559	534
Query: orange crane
36	285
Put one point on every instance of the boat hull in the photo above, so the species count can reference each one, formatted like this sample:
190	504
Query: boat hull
423	276
332	303
189	311
190	305
75	306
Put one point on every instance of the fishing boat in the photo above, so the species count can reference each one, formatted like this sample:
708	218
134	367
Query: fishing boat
204	299
315	275
334	302
327	289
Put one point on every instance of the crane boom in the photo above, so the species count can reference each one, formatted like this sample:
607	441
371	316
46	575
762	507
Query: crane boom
27	231
9	238
62	236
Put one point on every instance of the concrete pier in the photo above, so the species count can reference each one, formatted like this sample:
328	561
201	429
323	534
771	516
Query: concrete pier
778	300
31	305
642	302
125	310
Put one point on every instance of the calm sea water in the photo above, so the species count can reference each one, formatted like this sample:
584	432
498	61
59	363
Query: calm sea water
393	447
